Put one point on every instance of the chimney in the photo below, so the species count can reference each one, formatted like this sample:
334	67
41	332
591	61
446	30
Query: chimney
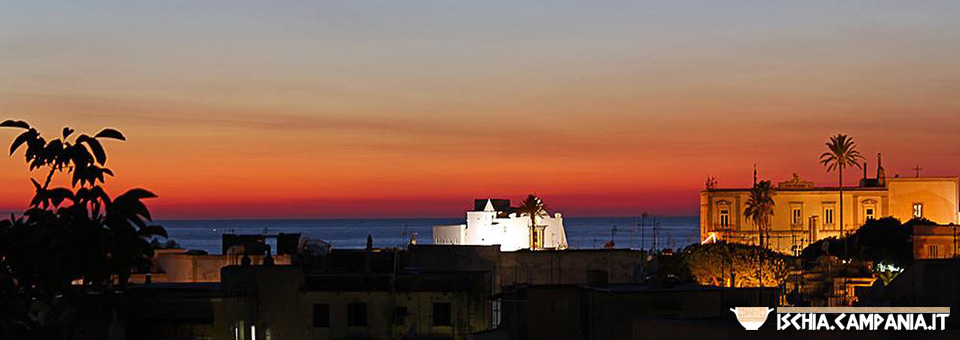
881	174
864	170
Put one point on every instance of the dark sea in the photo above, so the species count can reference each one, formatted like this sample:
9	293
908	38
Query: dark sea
582	232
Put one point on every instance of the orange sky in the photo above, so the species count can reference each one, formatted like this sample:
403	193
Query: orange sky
414	109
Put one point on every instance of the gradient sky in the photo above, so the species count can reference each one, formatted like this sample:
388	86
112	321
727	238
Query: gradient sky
266	109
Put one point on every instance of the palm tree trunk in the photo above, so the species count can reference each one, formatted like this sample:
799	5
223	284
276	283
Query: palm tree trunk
841	233
533	231
841	211
760	269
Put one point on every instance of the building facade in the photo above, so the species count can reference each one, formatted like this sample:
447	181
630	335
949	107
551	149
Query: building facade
287	302
494	222
805	213
935	241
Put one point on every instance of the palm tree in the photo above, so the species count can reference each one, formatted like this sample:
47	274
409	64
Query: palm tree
759	209
841	153
533	207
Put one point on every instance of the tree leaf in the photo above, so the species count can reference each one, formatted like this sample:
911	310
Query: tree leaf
15	123
97	149
138	194
67	132
110	133
58	195
22	138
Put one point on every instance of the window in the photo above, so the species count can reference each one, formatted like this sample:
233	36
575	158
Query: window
796	216
442	314
495	320
869	209
828	216
918	210
722	217
536	241
357	315
400	315
321	315
933	251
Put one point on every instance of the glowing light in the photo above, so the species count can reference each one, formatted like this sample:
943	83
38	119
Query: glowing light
883	267
710	238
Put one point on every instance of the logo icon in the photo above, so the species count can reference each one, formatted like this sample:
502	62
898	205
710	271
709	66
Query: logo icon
751	318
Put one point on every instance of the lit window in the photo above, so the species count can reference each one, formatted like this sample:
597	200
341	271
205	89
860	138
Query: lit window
724	218
918	210
796	218
828	216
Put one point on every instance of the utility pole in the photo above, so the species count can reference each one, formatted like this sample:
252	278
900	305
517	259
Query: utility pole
656	234
955	241
643	217
612	232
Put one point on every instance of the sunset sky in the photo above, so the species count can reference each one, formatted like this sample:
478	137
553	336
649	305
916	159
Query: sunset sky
315	109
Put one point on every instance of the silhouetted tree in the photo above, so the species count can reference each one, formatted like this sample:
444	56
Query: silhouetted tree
841	153
68	234
883	240
533	207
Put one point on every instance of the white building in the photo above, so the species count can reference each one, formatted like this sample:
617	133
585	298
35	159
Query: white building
493	221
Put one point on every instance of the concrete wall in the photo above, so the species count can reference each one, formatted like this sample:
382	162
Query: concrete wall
575	312
183	267
568	266
531	267
449	234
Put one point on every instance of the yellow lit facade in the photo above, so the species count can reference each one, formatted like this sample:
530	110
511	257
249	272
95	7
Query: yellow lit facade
805	213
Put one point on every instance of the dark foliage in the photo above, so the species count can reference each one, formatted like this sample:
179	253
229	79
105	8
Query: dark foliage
68	234
882	240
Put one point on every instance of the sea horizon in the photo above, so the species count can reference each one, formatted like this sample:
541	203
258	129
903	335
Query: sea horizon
351	233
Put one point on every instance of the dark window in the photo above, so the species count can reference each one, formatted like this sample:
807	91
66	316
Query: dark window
400	315
357	315
321	315
401	312
441	314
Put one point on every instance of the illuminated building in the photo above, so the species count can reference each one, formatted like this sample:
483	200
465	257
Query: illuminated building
494	222
805	213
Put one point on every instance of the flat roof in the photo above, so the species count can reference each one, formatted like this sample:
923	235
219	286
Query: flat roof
850	188
858	188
